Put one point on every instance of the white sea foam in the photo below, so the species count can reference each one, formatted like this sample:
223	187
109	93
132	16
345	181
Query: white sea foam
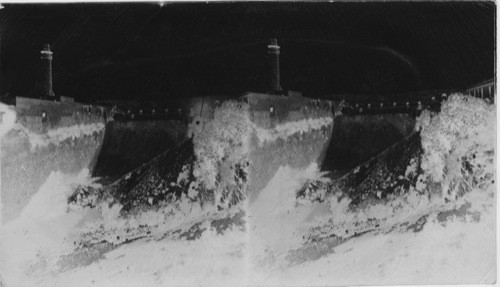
58	135
456	248
285	130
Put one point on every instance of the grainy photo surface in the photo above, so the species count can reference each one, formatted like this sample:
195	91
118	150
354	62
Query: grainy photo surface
247	143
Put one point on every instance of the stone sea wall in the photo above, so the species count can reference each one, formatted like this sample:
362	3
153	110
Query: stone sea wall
289	131
46	137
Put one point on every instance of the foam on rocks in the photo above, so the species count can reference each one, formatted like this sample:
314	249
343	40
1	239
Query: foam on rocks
441	232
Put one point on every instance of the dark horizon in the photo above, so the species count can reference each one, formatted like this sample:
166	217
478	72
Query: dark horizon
149	51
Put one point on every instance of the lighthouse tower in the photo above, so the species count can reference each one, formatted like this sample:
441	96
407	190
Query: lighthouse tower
45	80
274	67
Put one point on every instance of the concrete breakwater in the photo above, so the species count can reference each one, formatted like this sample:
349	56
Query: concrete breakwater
293	131
46	137
279	131
289	131
70	137
236	148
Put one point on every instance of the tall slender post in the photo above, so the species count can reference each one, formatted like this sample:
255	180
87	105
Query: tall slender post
45	83
1	80
274	66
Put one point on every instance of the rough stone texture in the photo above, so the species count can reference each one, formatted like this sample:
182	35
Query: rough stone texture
156	182
384	174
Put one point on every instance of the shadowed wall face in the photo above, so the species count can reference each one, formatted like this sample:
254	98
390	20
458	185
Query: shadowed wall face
356	139
128	145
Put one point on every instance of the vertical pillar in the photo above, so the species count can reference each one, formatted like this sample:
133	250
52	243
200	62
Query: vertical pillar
274	66
1	80
45	83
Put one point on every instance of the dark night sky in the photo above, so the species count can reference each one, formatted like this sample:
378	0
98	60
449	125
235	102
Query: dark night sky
148	51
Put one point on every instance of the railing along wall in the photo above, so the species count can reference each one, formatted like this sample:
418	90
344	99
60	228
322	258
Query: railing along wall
484	90
412	103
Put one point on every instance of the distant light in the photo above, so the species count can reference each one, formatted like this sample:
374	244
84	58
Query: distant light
161	3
